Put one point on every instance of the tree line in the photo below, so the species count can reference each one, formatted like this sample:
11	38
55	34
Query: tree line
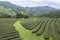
14	13
9	13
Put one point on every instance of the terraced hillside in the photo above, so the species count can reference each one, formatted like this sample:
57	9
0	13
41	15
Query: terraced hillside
48	27
7	31
30	29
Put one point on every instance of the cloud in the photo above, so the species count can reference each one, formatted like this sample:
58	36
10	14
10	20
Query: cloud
32	3
54	3
29	2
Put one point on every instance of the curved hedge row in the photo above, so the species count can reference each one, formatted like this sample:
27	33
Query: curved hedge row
46	26
7	31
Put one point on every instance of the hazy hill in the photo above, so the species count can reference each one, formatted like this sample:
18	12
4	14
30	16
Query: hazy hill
30	10
7	4
39	10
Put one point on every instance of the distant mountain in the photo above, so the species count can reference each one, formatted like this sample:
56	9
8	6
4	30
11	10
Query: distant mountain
39	10
30	10
7	4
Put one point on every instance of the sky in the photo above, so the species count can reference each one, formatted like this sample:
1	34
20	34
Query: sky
35	3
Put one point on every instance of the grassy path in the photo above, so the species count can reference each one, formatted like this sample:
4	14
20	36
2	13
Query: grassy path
26	34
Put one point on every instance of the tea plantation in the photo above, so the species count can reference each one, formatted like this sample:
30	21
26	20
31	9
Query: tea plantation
7	31
48	27
30	29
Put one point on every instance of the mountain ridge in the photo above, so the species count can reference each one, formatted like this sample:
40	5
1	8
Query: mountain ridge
29	10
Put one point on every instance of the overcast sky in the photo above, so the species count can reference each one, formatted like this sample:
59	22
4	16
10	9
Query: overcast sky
34	3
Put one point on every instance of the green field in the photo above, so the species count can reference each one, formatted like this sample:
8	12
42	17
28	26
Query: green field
28	29
26	34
